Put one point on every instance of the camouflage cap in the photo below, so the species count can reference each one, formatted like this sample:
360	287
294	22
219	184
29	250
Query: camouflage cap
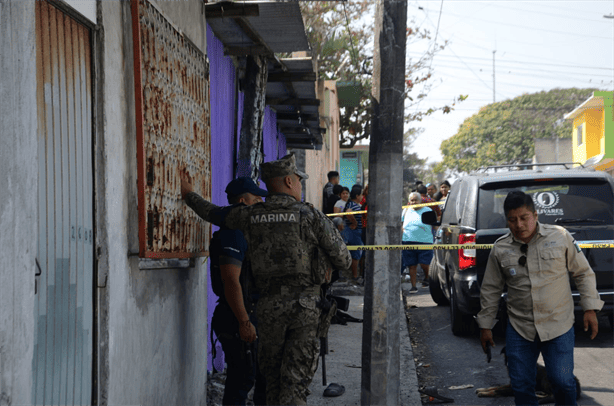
282	167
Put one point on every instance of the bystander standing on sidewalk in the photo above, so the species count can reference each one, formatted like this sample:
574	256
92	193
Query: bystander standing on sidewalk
415	232
342	202
431	189
327	193
353	229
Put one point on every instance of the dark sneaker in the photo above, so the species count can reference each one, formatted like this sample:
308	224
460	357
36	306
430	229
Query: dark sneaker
413	290
425	283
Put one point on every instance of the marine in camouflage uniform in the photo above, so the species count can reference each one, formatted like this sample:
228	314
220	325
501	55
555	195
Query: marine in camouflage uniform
293	247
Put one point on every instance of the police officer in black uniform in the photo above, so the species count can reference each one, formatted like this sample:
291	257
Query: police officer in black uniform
234	318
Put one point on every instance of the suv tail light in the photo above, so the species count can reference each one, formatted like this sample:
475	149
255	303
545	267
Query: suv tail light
466	257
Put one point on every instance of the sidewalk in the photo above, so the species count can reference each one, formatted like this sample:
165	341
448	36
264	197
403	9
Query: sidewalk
343	362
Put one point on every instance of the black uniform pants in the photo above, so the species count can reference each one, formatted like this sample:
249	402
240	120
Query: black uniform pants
241	368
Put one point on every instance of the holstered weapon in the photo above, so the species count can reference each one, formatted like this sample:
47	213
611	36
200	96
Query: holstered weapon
343	304
248	353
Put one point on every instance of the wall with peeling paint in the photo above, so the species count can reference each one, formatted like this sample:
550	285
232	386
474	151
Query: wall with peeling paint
18	203
152	323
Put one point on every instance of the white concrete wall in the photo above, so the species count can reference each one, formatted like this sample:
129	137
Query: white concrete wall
546	150
153	322
18	189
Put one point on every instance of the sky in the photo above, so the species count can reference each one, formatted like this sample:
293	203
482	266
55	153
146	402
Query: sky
540	45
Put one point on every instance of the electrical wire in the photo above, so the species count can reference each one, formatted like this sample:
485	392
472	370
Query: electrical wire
518	70
575	18
534	63
434	43
522	26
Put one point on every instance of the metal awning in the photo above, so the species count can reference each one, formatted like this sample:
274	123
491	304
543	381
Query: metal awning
291	91
257	27
268	28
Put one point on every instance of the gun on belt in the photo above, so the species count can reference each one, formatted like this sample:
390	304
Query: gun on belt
248	353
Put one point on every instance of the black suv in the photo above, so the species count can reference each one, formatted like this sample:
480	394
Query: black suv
578	199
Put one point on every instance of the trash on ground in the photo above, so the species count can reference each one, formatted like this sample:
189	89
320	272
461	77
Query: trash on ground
460	387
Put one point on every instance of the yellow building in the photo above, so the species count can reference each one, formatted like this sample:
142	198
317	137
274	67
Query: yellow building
593	132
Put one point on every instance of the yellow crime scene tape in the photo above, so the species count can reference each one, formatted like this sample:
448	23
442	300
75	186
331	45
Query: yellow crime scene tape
427	247
403	207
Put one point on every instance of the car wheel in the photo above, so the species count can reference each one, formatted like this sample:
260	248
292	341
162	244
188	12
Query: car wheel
436	292
461	323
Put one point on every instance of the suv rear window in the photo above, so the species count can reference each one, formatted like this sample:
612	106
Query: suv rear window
581	201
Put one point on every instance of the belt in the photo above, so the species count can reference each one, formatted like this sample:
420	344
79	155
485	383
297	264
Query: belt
294	291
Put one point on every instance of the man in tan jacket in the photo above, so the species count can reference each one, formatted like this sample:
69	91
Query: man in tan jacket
535	260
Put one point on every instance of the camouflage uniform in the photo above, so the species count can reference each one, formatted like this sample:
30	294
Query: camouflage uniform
291	246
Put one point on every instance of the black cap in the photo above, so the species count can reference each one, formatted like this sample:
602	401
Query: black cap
243	185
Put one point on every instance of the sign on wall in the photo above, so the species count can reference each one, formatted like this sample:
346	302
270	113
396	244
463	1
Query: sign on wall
173	135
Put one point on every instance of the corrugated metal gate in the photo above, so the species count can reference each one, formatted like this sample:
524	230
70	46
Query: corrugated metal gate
62	362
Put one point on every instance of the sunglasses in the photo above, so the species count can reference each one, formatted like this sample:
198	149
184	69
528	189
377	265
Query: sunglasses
523	259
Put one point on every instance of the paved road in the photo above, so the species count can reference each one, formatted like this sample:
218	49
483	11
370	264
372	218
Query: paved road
444	360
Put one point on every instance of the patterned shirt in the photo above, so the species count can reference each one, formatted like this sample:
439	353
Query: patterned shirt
353	206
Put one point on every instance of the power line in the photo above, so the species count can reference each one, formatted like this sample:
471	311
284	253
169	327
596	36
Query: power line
505	40
575	18
518	70
436	32
535	63
524	26
468	67
558	6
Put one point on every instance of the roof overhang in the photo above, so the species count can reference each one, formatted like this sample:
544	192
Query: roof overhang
268	28
257	27
592	103
291	91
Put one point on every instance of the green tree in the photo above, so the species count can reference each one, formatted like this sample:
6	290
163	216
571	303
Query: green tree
503	133
413	166
341	38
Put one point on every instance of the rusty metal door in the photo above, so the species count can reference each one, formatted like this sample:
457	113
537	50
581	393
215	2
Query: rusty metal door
62	362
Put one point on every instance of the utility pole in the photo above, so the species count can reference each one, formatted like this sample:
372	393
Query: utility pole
493	76
382	312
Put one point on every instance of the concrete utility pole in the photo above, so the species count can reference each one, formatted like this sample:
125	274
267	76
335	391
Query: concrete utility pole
380	339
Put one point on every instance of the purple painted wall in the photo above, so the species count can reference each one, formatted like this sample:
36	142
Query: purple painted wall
269	135
281	145
274	140
222	73
224	150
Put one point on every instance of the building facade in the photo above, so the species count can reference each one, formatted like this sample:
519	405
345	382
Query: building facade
593	132
104	293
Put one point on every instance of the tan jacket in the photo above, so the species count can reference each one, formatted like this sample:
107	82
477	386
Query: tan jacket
539	297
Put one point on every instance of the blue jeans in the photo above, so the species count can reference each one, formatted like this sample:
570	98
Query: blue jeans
353	237
521	363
